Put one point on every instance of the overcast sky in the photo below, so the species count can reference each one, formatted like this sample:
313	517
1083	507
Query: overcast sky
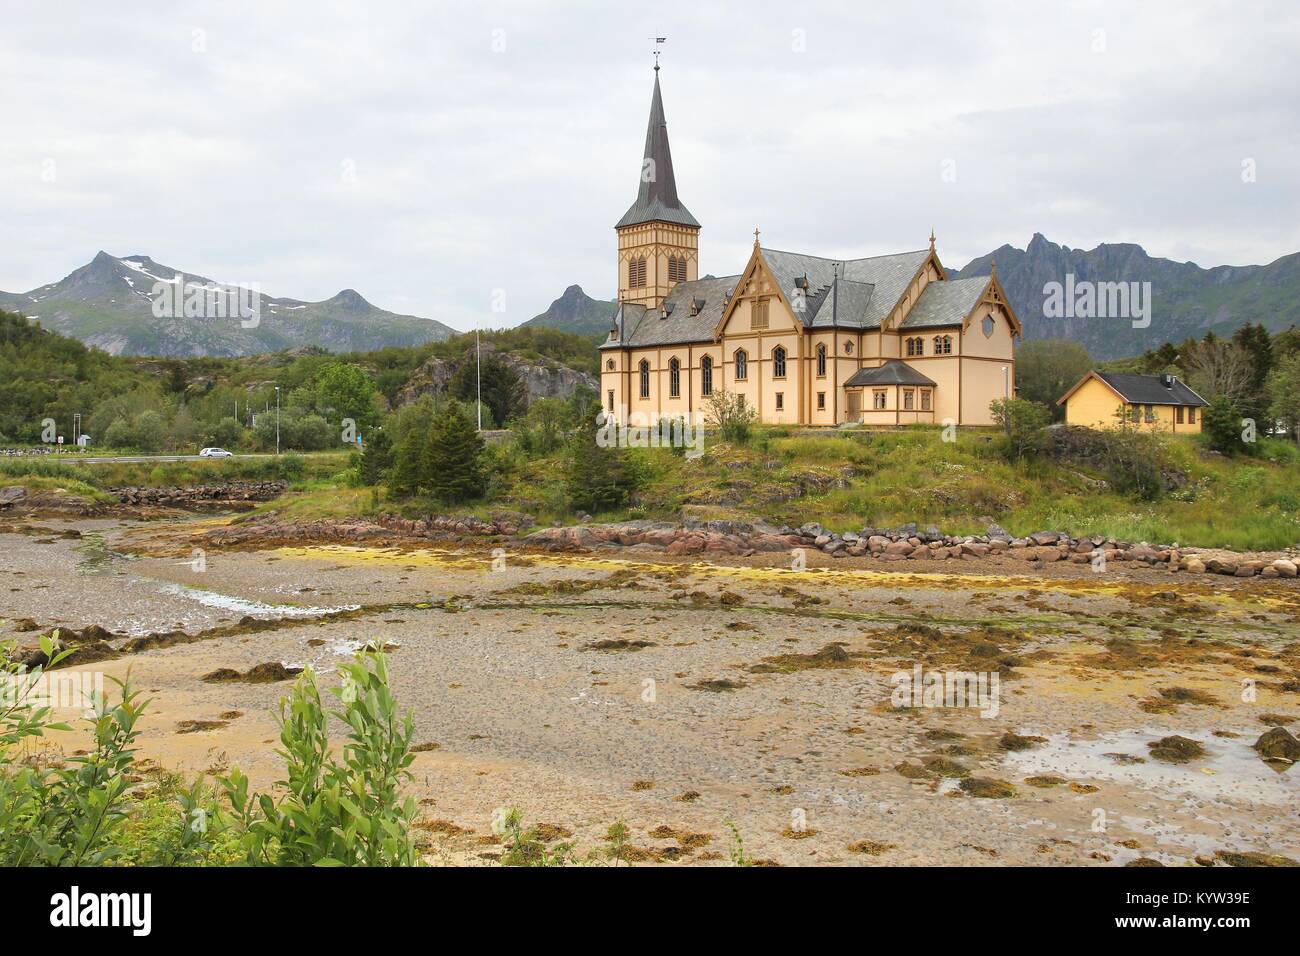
429	154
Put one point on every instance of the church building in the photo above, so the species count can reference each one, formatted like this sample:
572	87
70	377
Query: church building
805	340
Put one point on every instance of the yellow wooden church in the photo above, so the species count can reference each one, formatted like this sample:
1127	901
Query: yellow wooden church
806	340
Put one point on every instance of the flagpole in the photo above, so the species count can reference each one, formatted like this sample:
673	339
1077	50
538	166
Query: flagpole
478	377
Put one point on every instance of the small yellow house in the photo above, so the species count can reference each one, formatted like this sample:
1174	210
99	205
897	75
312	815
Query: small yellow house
1158	402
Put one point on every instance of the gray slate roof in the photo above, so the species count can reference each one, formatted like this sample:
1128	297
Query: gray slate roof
945	303
893	372
863	295
887	276
657	199
642	326
1149	390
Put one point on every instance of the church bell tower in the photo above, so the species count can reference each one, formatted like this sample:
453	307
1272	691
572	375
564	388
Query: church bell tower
658	238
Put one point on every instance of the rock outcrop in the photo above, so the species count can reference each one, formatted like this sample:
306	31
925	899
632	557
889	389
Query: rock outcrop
541	379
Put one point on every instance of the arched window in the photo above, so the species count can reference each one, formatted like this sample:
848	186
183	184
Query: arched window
742	365
645	379
778	362
821	361
938	345
609	364
706	375
947	345
674	378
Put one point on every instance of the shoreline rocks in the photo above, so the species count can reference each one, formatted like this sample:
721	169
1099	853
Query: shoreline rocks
191	496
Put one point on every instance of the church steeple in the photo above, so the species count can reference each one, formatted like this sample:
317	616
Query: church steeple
657	195
658	238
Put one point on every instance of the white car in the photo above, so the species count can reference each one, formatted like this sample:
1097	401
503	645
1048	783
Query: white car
215	453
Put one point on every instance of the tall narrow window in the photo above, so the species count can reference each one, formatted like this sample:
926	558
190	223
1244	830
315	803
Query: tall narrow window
780	401
645	379
778	362
674	378
706	375
1178	415
758	314
878	398
676	269
1191	414
821	401
742	365
611	401
938	345
947	345
925	399
909	399
821	361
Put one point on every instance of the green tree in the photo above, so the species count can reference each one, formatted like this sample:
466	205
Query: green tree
503	389
1221	426
1024	426
1255	341
453	458
1046	368
597	478
730	415
376	457
1283	390
345	391
408	464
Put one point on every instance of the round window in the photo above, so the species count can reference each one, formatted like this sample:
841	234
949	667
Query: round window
988	326
610	364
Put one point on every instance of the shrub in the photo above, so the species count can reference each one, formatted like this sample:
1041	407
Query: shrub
1221	426
597	479
330	812
1024	427
731	415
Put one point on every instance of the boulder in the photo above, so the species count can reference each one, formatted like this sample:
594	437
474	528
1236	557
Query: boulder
1284	568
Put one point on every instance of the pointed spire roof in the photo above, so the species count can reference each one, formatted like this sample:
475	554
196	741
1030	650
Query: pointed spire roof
657	196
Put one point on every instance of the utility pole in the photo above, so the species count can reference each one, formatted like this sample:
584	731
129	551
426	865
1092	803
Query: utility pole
277	419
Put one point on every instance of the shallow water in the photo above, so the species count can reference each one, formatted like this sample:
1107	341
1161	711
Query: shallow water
1231	771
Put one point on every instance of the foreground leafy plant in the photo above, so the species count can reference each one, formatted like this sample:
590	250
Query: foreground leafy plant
329	812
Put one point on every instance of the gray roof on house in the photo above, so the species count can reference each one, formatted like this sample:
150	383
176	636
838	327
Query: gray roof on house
893	372
642	326
945	303
657	194
1150	390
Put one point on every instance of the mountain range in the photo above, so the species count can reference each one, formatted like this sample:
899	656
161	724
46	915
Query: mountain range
108	303
1186	300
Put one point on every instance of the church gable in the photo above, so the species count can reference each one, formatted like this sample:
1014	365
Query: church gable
757	304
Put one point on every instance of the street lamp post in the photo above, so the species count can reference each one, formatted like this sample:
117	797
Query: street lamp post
277	419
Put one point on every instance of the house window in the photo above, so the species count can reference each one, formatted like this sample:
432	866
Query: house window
1178	415
943	345
1150	412
914	346
778	362
676	269
780	401
821	401
611	401
636	273
878	399
925	399
674	379
706	375
1191	414
645	379
909	399
742	365
821	361
947	345
758	314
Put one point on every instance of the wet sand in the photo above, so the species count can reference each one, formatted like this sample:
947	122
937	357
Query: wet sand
799	745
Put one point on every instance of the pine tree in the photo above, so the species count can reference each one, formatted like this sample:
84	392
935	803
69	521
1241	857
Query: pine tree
376	458
453	457
408	463
598	479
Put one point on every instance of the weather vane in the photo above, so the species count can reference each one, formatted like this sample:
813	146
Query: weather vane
658	41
